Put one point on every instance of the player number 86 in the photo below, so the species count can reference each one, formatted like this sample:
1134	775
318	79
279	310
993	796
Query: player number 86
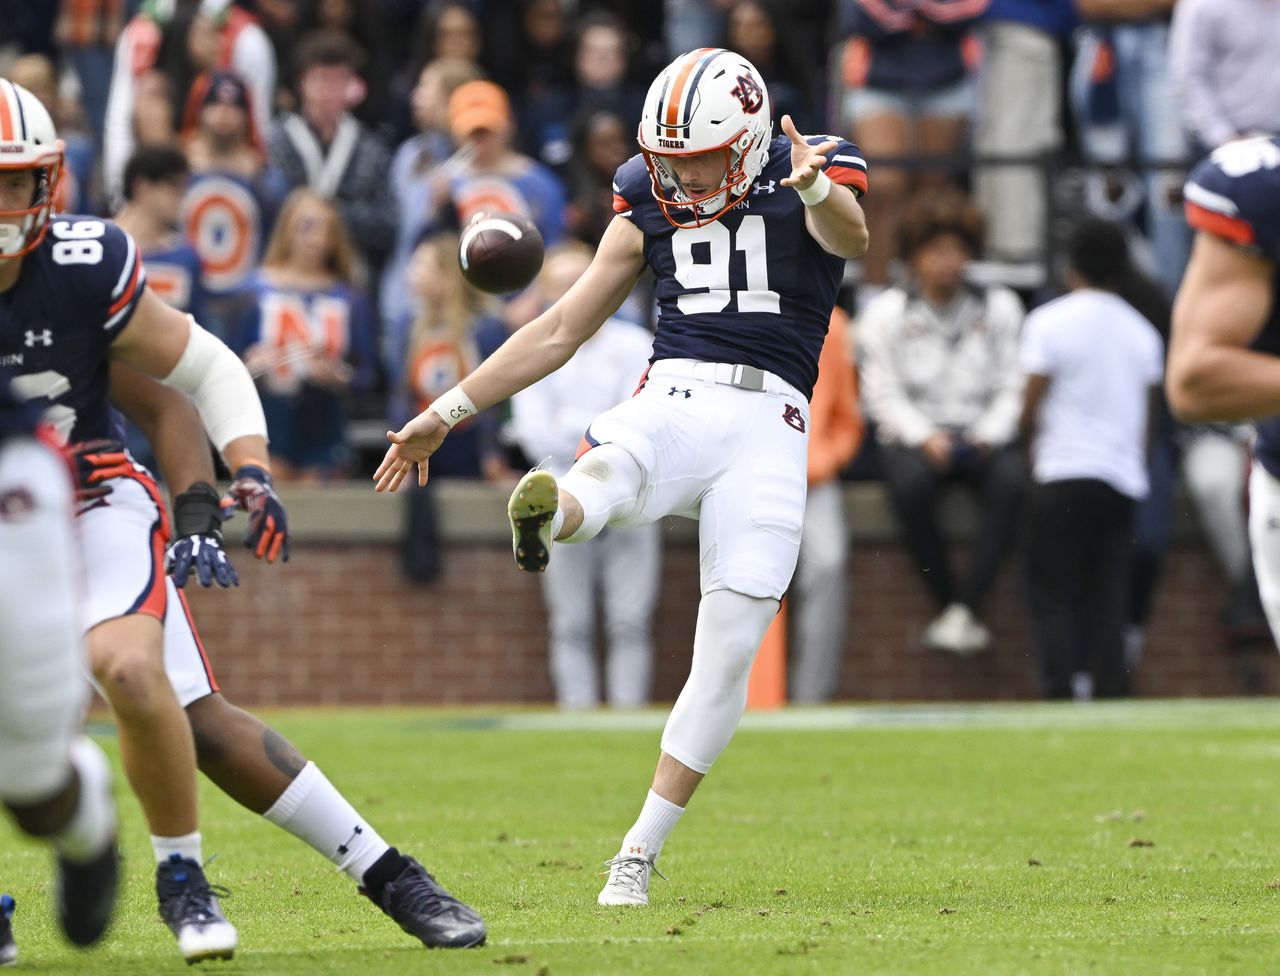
77	242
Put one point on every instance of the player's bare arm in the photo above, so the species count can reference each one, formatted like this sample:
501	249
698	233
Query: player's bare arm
1221	307
536	350
837	221
170	423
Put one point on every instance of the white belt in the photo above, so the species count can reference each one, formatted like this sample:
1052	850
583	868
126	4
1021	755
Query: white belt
727	374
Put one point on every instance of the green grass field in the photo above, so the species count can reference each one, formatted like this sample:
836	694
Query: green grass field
1132	838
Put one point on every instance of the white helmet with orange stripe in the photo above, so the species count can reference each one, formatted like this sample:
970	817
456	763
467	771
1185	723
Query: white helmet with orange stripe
28	140
709	100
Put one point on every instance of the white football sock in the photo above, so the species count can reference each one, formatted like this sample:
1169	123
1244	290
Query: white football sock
94	822
557	523
186	846
317	814
657	819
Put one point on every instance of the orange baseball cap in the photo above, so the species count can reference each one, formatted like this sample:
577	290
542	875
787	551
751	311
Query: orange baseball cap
478	105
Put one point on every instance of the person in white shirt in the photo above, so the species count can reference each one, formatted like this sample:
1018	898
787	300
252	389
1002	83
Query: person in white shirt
619	567
941	382
1094	367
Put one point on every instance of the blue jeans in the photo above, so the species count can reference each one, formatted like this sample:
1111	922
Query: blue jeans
1132	116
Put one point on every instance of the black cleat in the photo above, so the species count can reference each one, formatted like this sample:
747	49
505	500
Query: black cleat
189	906
420	905
8	948
87	895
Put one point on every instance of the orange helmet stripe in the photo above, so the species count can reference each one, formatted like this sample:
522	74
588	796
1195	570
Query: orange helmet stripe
6	116
676	95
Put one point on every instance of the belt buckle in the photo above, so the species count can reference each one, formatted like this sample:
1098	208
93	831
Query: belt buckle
748	378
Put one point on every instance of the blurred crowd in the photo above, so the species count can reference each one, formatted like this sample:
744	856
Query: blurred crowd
296	173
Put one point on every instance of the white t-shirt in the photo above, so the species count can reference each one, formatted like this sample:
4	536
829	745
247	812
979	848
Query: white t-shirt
1102	358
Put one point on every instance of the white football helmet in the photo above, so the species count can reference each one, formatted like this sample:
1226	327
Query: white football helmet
705	101
28	140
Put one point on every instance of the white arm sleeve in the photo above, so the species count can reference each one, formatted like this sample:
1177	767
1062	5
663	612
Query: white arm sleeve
223	391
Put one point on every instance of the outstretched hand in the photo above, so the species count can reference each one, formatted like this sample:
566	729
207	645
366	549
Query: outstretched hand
806	160
411	444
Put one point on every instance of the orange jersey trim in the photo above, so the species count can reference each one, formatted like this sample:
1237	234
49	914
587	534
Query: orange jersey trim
1219	224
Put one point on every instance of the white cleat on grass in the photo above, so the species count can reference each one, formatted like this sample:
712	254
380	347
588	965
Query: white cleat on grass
628	882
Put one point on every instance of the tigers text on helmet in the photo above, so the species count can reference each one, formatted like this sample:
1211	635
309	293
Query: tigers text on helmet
709	100
28	141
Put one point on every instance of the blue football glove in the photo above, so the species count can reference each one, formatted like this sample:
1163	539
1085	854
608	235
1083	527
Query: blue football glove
197	529
268	532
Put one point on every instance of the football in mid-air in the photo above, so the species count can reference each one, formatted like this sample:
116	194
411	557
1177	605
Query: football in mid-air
500	252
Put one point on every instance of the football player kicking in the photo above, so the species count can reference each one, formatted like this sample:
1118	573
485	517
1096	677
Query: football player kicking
747	236
1224	350
55	783
246	759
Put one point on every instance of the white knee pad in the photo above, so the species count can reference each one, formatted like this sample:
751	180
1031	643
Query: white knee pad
606	481
729	631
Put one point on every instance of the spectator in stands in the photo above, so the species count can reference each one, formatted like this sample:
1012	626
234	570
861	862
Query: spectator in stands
942	383
490	175
1126	110
751	29
324	148
691	24
818	596
309	339
447	29
618	570
155	180
87	31
216	33
907	91
1222	56
1093	364
537	66
1020	115
436	346
363	23
35	73
600	83
602	142
419	185
234	195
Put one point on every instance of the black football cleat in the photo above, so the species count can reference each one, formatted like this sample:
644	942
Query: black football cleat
87	895
189	906
532	509
420	905
8	947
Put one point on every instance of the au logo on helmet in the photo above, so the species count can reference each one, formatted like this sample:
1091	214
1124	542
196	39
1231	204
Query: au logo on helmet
749	93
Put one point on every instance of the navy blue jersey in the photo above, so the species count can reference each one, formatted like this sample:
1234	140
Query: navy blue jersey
17	416
752	287
76	292
1235	195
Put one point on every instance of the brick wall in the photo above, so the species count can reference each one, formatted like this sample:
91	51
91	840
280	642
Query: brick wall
338	625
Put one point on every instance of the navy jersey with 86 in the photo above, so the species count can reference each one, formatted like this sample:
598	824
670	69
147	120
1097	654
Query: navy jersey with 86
753	287
76	292
1235	195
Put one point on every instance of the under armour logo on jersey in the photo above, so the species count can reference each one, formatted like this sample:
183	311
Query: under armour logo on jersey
764	187
793	417
676	389
44	337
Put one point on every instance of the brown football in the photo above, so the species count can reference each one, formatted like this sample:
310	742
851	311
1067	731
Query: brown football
501	252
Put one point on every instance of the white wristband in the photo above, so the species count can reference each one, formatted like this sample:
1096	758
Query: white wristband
453	407
813	195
